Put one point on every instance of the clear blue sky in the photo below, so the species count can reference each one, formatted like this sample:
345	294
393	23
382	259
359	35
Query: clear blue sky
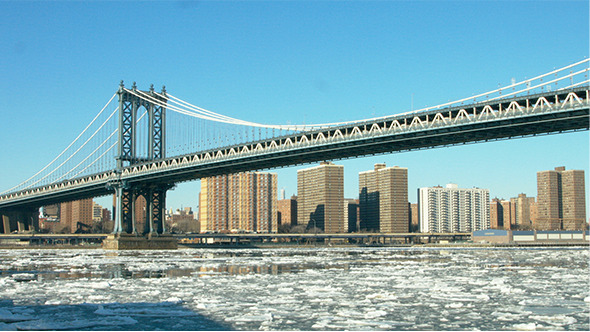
289	62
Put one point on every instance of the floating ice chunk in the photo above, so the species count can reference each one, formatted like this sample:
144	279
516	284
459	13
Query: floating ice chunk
24	277
558	320
174	300
375	313
506	316
9	317
102	311
454	305
526	327
254	318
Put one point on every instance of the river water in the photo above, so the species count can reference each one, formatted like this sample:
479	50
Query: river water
296	289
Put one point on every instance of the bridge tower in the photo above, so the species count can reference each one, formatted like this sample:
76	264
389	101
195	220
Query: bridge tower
130	103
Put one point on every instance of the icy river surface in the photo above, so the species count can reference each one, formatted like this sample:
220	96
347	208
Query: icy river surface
296	289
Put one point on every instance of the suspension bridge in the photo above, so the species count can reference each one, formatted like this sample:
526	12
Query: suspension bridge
144	142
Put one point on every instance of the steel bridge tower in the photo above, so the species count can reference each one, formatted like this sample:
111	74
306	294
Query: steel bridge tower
126	194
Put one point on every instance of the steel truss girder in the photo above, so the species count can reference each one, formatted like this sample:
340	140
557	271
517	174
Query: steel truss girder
575	118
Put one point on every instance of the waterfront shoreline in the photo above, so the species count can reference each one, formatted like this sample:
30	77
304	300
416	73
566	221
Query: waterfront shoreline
318	245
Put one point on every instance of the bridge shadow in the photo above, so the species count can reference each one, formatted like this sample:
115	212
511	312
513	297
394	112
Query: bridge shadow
164	316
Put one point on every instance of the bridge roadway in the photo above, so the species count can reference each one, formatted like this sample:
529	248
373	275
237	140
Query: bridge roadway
236	238
521	116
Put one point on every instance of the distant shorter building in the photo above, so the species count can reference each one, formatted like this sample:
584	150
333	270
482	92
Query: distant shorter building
51	211
523	209
414	218
183	221
287	211
351	214
96	212
453	209
496	214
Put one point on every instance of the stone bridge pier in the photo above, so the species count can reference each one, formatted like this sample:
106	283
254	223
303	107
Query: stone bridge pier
19	220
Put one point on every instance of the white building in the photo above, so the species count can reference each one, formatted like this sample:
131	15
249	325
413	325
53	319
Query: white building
453	209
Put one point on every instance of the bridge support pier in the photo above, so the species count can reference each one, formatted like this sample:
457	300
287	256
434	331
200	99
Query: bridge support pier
19	220
125	218
126	233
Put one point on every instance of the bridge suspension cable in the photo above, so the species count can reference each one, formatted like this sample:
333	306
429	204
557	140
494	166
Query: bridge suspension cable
178	105
22	184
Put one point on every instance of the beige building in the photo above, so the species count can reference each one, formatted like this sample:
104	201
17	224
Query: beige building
320	197
523	211
239	202
508	217
383	199
561	200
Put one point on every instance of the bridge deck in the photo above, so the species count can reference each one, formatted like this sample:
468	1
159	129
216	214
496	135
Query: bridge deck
522	116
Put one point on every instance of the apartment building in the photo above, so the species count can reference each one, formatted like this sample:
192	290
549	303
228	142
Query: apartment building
561	199
320	198
239	202
453	209
383	199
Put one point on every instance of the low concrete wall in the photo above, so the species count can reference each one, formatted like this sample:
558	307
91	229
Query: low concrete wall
131	242
503	236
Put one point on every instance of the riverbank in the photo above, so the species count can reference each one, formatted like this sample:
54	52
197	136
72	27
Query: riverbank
268	245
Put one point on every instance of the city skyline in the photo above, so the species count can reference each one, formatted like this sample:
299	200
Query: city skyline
258	62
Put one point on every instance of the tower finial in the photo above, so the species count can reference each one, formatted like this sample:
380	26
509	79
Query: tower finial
164	90
151	88
134	86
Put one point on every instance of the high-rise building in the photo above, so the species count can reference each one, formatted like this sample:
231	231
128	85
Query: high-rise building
351	214
508	218
239	202
320	197
77	214
561	199
414	220
383	199
496	214
453	209
521	208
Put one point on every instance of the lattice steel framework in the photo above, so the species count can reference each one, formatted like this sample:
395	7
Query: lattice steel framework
129	104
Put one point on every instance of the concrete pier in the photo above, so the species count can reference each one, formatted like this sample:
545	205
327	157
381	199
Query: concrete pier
133	242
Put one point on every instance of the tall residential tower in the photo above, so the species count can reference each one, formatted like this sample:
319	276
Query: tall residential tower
453	209
320	198
383	199
244	202
561	200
